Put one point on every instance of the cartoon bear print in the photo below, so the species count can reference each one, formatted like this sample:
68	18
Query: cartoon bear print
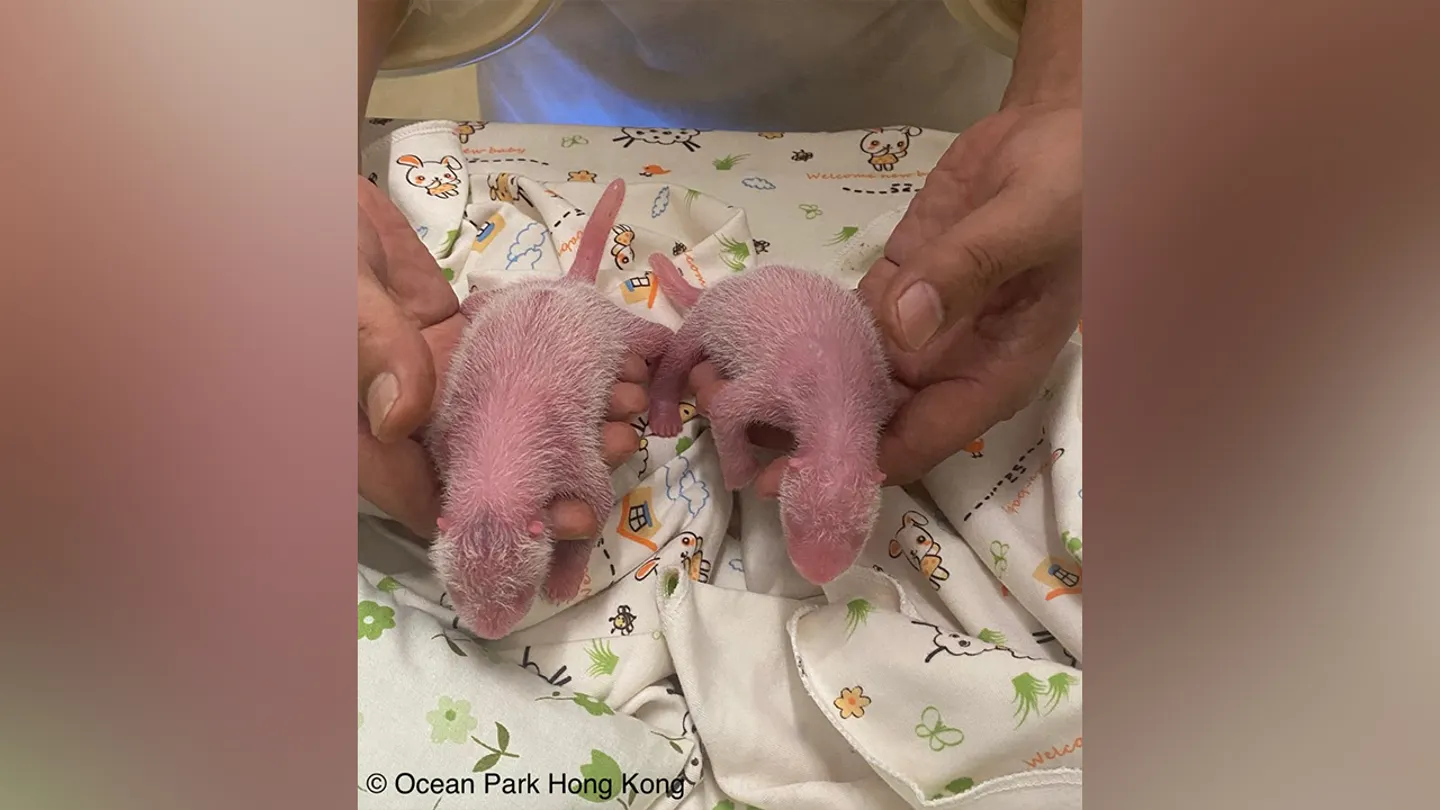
505	187
886	145
439	178
919	548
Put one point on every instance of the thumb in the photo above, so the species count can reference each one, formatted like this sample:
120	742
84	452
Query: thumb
396	370
948	279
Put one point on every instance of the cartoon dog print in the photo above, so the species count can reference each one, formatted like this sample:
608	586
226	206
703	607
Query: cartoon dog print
439	178
887	145
914	541
658	137
505	187
622	237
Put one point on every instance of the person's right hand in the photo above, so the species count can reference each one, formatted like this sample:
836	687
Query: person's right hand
409	323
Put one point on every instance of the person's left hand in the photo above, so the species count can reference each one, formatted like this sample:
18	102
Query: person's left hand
994	236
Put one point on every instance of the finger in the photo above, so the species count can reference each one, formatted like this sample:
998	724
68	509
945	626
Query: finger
946	280
396	371
634	370
767	483
618	442
408	270
399	479
572	520
627	400
935	424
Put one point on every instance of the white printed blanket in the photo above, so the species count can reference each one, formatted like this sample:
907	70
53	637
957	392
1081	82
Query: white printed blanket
697	670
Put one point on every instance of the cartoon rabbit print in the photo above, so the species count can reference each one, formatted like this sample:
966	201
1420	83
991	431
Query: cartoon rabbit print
439	178
886	145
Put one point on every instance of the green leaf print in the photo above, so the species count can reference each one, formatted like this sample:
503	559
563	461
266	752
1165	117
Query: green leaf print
1060	684
1072	545
595	706
728	162
992	637
682	444
955	786
857	611
602	659
388	585
734	253
375	619
451	721
448	274
500	749
600	777
450	237
1028	691
725	804
844	235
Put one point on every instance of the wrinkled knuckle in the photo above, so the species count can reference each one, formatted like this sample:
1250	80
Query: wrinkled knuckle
989	267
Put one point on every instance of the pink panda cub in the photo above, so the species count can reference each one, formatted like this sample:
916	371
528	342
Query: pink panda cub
802	354
519	425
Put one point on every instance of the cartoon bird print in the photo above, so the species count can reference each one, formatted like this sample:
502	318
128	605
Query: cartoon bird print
678	248
439	178
800	155
581	176
653	170
886	145
465	129
693	557
621	239
919	548
623	622
505	187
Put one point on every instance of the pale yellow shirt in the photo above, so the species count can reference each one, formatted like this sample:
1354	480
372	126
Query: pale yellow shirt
802	65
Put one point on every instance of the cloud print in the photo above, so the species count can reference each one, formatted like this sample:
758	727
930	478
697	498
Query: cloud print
758	183
524	252
681	484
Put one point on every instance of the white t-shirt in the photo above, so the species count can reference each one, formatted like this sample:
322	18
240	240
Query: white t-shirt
753	65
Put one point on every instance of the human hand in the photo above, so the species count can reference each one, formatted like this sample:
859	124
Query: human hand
995	233
979	287
409	324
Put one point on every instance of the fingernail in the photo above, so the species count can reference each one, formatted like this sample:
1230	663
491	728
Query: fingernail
384	390
920	314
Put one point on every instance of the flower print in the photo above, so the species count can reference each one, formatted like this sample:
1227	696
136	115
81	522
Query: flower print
852	702
451	721
374	619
